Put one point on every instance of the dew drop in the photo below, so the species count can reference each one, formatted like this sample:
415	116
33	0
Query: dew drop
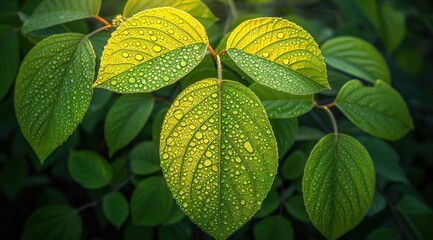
138	57
242	202
183	64
165	156
165	78
157	48
178	114
214	95
215	168
131	80
248	147
125	54
199	135
208	154
140	32
185	204
280	35
286	61
113	83
265	54
153	38
207	162
125	32
238	160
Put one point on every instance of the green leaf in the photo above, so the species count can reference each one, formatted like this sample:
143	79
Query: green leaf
278	54
151	202
196	8
417	214
218	154
151	50
305	133
9	58
53	90
356	57
270	204
295	206
273	228
378	110
144	158
89	169
386	160
285	131
280	104
369	9
115	207
293	166
126	118
179	231
175	215
338	184
392	27
157	125
53	12
53	223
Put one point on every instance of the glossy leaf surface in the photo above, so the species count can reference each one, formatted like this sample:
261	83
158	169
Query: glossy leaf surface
218	154
150	50
356	57
378	110
53	12
278	54
115	207
196	8
53	90
338	184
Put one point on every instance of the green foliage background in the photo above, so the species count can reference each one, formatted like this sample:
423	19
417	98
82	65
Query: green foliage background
402	206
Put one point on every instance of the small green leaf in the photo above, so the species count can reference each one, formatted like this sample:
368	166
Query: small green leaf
273	228
196	8
280	104
356	57
378	110
293	166
386	160
338	184
145	158
295	206
392	27
179	231
218	154
89	169
126	118
157	125
53	12
151	50
417	214
115	207
151	202
175	215
9	58
53	90
53	223
278	54
285	131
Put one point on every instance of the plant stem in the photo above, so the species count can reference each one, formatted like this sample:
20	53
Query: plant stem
98	30
103	21
212	52
219	69
330	114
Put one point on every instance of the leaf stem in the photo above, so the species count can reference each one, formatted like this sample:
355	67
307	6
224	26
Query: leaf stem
330	114
212	52
103	21
98	30
222	52
219	69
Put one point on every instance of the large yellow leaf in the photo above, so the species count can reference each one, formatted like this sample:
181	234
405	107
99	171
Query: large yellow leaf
150	50
278	54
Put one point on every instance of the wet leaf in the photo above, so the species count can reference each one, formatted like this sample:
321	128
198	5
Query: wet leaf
273	228
218	154
89	169
285	131
52	223
280	104
53	90
125	120
356	57
196	8
151	202
378	110
151	50
53	12
269	205
338	184
9	58
278	54
115	207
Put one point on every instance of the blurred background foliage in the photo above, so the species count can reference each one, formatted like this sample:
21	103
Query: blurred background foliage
401	30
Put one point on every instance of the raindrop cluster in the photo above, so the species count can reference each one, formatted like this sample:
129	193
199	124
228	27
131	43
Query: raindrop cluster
218	154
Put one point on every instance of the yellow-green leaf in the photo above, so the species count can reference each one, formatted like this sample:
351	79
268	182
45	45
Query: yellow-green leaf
196	8
150	50
53	12
218	154
53	90
278	54
338	184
